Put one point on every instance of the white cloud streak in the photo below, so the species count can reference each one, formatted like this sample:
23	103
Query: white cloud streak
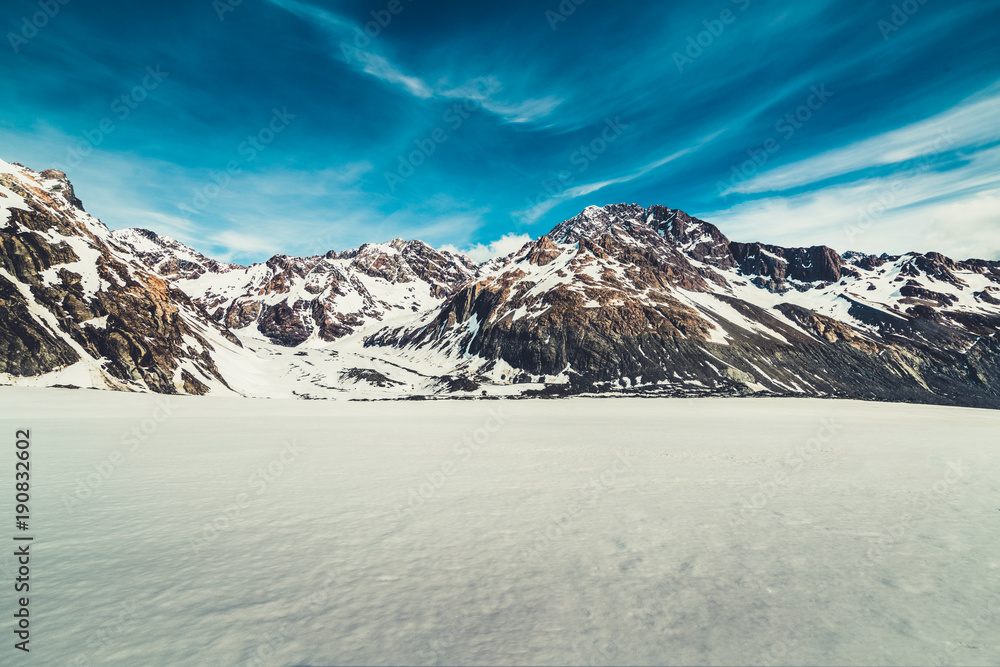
533	214
940	194
970	124
483	252
953	211
370	61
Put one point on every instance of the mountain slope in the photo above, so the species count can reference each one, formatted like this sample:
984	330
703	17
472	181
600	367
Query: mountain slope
292	300
78	308
621	298
625	297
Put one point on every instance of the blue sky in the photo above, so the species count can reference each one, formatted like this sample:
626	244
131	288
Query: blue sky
248	128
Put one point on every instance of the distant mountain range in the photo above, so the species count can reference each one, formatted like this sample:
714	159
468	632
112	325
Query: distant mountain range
620	299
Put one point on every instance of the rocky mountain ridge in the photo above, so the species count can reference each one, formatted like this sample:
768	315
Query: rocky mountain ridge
622	298
76	306
626	298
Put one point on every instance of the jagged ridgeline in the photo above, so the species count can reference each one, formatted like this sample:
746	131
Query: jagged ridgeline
618	299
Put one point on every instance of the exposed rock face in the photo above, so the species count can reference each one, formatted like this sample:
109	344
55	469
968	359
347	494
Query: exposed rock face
669	234
828	328
283	325
71	297
621	298
632	297
168	258
696	238
807	265
62	186
368	375
866	262
289	300
27	347
412	261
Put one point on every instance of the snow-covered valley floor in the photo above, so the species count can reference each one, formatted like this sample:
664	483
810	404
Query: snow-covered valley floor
227	531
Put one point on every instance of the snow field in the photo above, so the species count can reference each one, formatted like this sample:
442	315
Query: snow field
216	530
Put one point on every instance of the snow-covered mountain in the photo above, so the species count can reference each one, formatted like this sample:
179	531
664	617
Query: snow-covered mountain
620	298
169	259
626	297
294	300
79	307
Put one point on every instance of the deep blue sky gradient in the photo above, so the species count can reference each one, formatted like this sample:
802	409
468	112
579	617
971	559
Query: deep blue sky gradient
900	151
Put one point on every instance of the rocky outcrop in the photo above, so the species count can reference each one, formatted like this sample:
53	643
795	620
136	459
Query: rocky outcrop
622	298
806	265
289	300
631	298
698	239
284	325
166	257
27	345
70	296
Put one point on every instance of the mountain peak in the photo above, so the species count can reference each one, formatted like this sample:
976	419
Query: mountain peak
167	257
651	227
620	297
596	221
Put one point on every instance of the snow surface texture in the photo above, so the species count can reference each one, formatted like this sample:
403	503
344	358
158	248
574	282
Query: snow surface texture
229	531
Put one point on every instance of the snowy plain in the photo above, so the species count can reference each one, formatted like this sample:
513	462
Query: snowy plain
230	531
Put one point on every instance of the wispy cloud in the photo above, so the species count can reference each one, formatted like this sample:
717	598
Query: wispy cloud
482	252
895	191
370	60
234	245
381	68
536	99
343	31
953	211
533	214
971	124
